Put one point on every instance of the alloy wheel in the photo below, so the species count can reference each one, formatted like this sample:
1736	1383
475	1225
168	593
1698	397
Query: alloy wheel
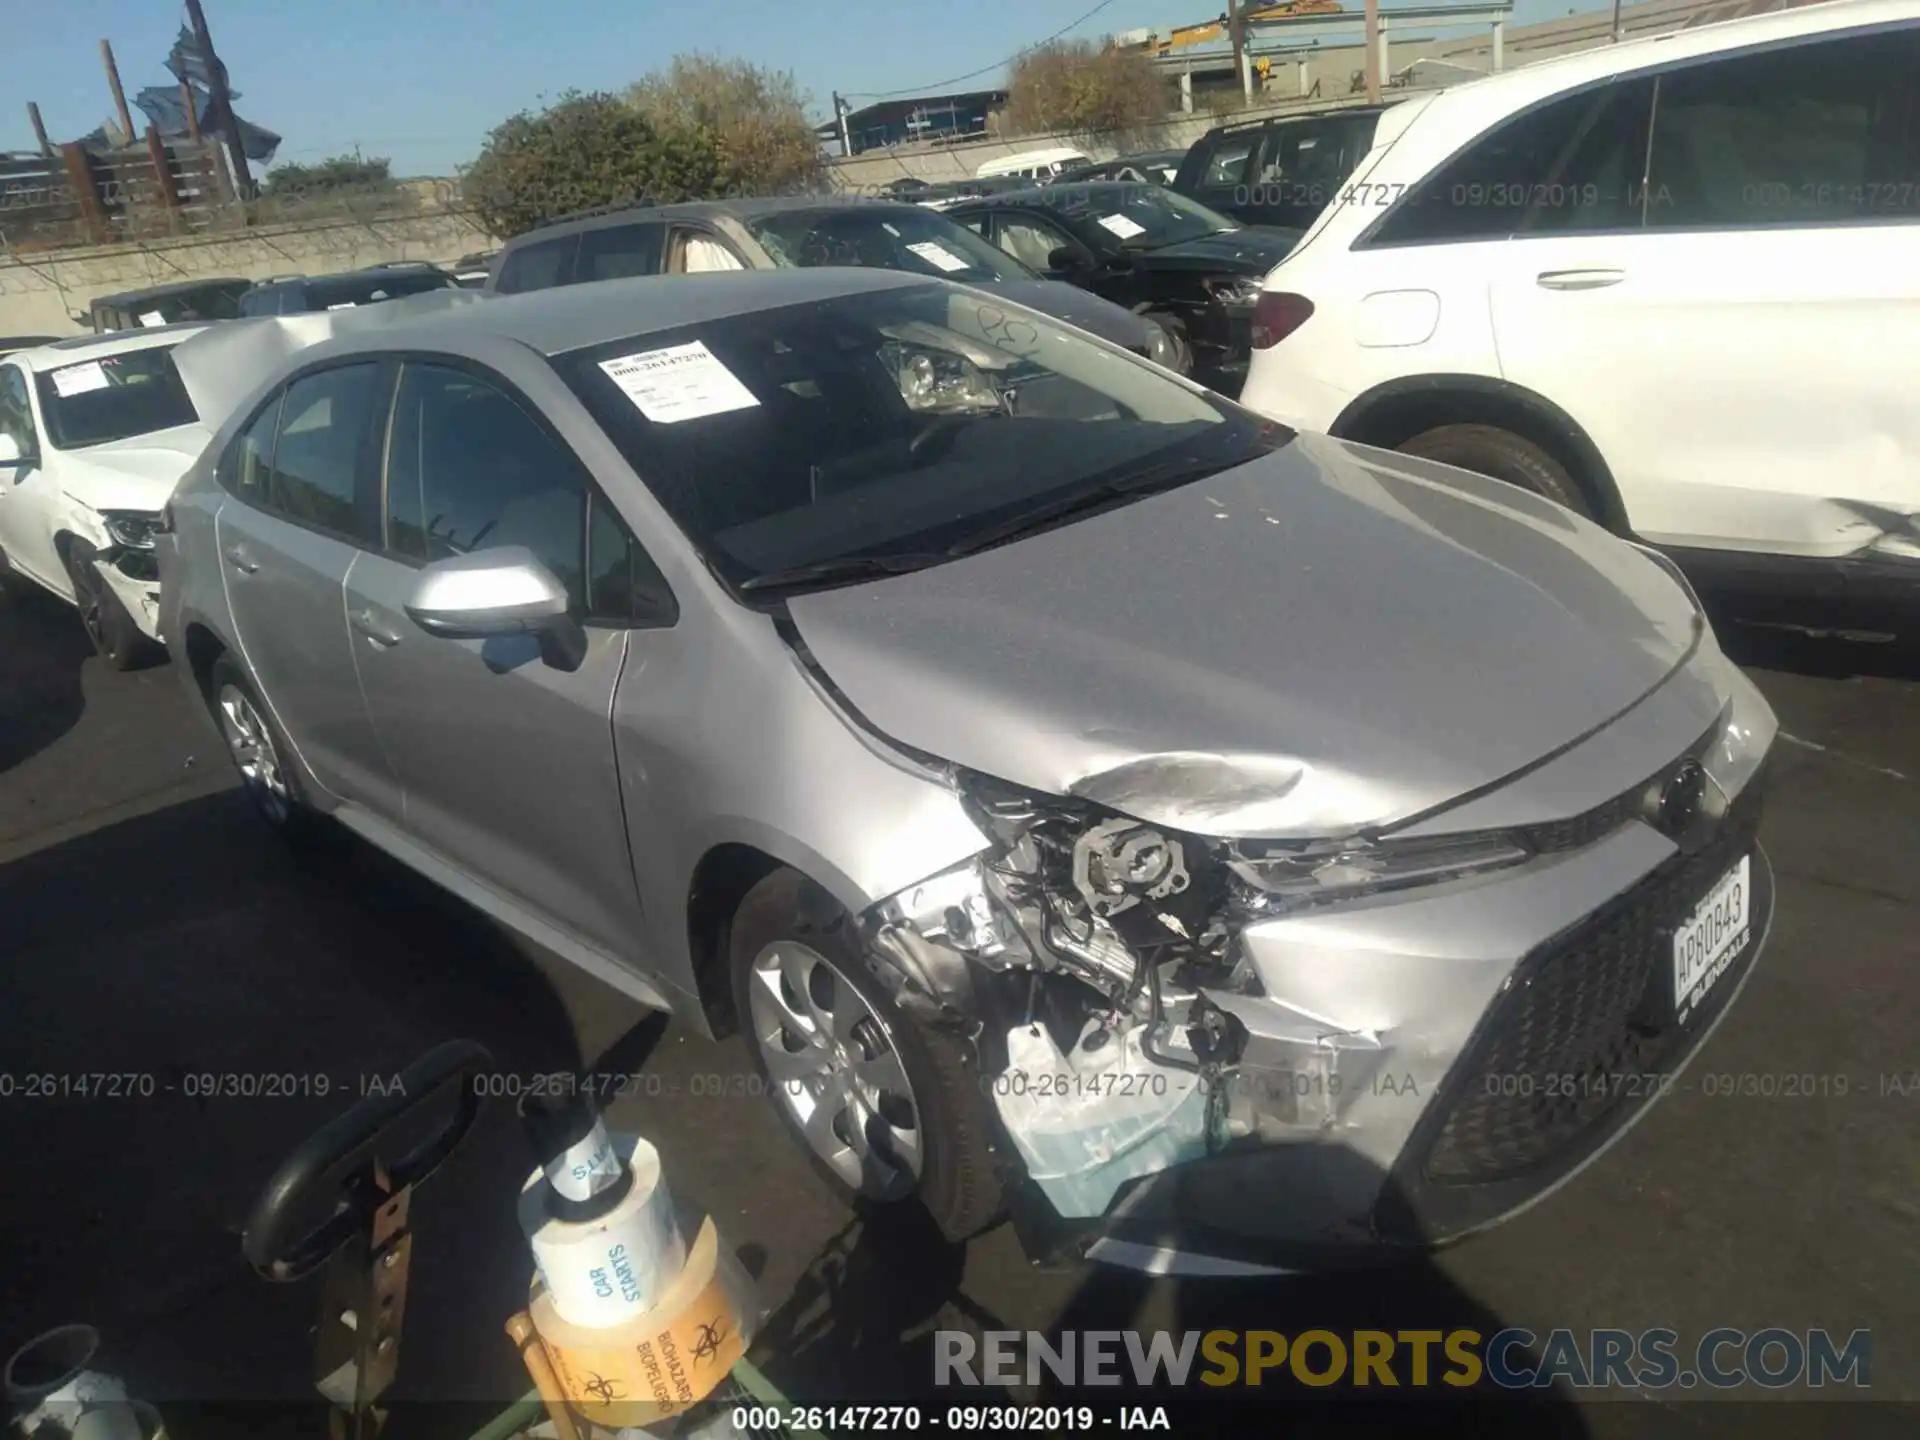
836	1067
251	745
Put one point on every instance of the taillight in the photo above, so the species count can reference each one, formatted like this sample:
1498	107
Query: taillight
1277	315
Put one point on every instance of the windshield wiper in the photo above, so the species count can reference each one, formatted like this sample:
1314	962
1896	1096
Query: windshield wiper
1094	497
844	567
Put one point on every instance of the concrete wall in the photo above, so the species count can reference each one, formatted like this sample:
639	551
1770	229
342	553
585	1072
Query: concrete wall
38	291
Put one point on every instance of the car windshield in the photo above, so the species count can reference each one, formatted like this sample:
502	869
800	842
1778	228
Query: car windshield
892	428
114	398
919	241
1140	217
338	292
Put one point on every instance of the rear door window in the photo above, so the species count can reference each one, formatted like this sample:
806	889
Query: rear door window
1818	132
538	266
322	475
1573	164
618	252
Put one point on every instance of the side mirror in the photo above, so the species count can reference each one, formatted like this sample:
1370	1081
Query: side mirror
504	591
10	456
1066	261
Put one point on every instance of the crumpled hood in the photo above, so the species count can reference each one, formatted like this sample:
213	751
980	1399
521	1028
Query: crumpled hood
133	474
1251	250
1077	307
1328	638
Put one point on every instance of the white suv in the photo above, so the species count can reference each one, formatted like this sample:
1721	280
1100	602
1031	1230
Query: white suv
95	431
1673	283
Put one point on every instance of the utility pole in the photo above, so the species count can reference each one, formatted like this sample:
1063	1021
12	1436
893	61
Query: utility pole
840	119
1237	31
222	100
1373	51
1617	32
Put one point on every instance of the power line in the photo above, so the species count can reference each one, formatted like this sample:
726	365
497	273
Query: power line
956	79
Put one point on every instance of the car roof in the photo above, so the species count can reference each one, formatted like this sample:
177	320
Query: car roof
160	292
1480	102
574	317
1332	112
76	348
749	208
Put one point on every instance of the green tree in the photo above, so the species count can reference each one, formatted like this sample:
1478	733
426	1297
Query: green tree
756	117
1075	87
584	151
341	172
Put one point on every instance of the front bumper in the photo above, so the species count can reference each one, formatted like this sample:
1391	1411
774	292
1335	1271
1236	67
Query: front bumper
134	578
1423	1064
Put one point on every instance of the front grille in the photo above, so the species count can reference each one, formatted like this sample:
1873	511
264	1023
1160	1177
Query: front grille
1580	831
1588	1025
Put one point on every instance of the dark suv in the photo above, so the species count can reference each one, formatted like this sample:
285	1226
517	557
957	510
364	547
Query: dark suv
213	299
298	294
1279	172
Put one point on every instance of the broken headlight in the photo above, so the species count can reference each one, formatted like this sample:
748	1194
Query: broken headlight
1276	876
134	529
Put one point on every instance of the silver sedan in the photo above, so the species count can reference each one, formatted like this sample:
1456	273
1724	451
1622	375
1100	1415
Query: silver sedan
1090	797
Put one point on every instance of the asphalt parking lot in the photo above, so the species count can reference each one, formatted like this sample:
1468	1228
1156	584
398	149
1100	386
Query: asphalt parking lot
148	927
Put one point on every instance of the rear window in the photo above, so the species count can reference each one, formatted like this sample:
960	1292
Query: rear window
116	397
921	242
339	292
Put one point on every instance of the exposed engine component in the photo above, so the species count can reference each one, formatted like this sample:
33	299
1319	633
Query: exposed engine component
1119	862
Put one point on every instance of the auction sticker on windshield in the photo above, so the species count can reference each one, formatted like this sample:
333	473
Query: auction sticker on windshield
79	379
1705	944
1122	226
935	253
680	382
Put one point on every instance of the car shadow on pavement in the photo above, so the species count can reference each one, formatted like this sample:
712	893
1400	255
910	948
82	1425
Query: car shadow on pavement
183	1000
863	1327
42	647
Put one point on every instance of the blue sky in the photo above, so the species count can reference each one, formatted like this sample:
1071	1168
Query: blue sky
422	81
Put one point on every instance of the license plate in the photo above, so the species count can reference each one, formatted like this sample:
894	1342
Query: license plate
1706	943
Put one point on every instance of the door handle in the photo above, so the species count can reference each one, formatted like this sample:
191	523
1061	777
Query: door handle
364	622
1593	278
241	561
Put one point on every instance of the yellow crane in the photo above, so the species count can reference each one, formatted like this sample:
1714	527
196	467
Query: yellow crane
1183	36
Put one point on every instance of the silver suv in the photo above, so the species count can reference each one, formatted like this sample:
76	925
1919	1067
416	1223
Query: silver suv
1074	784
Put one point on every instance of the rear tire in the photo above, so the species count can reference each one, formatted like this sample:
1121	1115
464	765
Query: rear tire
876	1131
1501	455
258	750
115	637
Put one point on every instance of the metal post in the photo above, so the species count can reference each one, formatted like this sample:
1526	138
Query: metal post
1618	33
1499	34
1186	91
193	116
1237	30
1383	67
119	95
1300	75
39	129
1373	46
222	99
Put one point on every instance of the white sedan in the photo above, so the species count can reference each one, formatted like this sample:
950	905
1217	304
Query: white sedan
94	433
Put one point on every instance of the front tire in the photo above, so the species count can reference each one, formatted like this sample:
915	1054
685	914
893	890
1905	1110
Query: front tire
1501	455
887	1108
115	637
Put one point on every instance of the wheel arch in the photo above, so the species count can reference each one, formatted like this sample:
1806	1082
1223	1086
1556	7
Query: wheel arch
1394	412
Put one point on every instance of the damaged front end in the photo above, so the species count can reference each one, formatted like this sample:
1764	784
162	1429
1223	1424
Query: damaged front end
1099	962
1323	1048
